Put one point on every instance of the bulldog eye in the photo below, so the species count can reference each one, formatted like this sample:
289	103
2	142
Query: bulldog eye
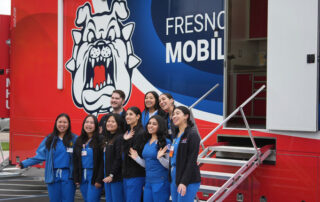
111	35
91	36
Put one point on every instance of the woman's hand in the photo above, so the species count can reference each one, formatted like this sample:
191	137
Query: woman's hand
97	185
18	166
182	189
129	135
133	154
162	151
107	179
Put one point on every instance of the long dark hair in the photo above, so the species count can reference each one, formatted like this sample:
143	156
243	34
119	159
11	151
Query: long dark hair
162	112
108	137
169	96
83	138
156	105
53	137
156	97
185	111
161	132
136	111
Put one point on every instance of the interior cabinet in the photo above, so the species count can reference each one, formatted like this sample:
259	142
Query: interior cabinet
258	18
247	84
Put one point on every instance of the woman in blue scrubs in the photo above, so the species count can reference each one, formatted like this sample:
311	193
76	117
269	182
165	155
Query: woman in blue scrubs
166	103
114	129
151	107
88	166
133	174
184	171
56	149
156	161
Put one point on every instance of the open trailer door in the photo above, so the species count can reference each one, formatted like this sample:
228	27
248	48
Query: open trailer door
292	76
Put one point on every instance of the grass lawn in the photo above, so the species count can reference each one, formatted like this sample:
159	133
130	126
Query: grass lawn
5	146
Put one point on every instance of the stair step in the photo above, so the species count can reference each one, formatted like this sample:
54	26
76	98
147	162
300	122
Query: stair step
249	150
216	175
208	189
217	161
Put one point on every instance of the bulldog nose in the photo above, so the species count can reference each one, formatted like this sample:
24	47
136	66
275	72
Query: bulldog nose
100	45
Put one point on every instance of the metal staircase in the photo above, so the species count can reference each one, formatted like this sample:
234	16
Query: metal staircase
246	167
232	180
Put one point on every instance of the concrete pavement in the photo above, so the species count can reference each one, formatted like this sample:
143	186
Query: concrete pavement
4	137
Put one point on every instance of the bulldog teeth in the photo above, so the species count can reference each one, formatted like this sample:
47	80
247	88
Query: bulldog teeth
104	83
100	58
108	62
104	59
97	87
87	85
100	85
92	63
97	59
91	83
109	79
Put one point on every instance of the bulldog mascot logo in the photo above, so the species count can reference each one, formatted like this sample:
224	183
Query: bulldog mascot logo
103	57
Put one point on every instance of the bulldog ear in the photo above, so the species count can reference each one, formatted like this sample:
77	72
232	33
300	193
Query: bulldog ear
120	9
83	14
71	65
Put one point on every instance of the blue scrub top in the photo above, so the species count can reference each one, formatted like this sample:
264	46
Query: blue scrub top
155	172
175	144
61	158
87	161
145	116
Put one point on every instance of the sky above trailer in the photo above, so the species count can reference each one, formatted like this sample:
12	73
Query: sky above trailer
5	7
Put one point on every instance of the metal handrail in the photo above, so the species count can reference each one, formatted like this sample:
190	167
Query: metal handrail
249	130
204	96
232	114
197	102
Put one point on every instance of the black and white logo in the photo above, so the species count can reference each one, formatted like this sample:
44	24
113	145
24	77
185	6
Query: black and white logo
103	57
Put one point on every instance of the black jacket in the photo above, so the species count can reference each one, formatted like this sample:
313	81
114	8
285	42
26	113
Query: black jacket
97	174
113	159
130	168
187	169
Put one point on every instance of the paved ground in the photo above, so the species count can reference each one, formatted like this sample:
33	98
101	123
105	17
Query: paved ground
4	136
23	185
29	186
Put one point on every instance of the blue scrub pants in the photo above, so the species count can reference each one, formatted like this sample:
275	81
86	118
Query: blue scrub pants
191	192
133	188
156	192
63	188
114	192
89	192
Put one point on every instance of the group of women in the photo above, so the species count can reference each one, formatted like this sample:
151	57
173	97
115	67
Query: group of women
147	156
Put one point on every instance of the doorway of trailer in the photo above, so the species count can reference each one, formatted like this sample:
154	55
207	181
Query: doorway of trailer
246	61
273	42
